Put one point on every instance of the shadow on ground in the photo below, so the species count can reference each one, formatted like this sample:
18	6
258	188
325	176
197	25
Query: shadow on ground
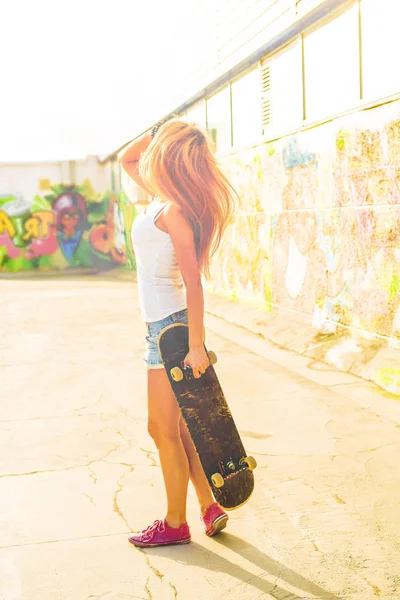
198	555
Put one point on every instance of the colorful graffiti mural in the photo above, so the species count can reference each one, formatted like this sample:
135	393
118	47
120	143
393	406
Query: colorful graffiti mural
318	230
71	227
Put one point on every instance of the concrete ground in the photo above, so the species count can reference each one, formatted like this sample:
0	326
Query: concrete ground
78	470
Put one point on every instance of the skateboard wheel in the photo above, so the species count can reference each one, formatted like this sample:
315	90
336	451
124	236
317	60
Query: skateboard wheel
217	480
176	374
250	462
212	357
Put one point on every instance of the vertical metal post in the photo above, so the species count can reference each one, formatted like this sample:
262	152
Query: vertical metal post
231	111
303	78
112	163
72	173
360	50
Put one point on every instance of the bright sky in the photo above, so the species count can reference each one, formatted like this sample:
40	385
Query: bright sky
80	77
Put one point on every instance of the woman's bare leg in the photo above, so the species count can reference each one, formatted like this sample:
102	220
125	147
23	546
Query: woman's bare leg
164	427
197	475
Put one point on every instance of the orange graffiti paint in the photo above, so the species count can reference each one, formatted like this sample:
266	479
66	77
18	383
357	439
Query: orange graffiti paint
6	225
32	229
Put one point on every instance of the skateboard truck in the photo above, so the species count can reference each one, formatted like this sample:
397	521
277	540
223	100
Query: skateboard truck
231	467
178	373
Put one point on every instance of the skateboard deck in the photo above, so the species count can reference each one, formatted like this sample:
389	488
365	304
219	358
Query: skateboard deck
209	421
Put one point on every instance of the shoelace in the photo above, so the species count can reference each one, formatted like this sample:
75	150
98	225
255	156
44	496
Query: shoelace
148	533
209	514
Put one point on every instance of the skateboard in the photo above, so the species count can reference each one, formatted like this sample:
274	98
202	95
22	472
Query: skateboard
209	421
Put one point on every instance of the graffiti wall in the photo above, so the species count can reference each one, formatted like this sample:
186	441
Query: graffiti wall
72	226
318	230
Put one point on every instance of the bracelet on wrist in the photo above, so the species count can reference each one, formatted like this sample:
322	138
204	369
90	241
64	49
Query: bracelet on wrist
158	125
155	129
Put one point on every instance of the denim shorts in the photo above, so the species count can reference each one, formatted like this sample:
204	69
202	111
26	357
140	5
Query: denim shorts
152	356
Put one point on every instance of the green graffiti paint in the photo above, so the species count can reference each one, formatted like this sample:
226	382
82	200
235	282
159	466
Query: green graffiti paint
72	226
394	289
389	379
270	149
341	140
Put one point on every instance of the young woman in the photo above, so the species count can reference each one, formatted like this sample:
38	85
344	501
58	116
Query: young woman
173	242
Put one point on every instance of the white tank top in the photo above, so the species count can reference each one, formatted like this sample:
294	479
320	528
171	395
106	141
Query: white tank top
160	284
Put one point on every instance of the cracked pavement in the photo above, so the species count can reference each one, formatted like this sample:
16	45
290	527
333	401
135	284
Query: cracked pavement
78	471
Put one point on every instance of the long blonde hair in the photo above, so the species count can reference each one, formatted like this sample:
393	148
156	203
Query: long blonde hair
179	165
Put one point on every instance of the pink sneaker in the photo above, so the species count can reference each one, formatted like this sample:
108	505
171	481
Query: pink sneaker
214	519
161	534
